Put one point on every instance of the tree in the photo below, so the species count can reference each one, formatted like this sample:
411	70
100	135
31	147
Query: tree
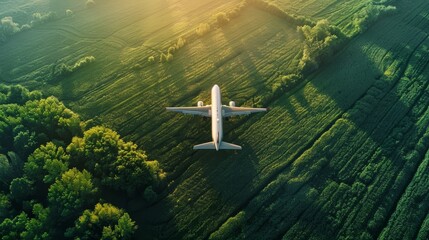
10	168
9	119
71	194
202	29
222	18
285	83
51	117
115	163
10	229
46	164
21	189
6	174
24	141
320	42
131	170
5	206
20	95
104	222
98	147
37	227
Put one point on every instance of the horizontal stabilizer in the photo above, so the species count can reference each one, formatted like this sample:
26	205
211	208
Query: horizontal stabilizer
229	146
204	146
211	146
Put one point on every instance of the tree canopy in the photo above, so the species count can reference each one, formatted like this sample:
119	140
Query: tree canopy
72	194
53	171
116	163
104	222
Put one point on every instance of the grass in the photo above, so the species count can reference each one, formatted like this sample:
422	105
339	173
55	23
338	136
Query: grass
342	154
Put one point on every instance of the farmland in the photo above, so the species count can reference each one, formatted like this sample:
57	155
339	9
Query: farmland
342	153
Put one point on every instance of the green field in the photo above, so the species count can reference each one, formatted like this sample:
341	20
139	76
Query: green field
342	154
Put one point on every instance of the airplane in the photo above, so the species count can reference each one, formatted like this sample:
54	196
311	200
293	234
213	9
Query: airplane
216	111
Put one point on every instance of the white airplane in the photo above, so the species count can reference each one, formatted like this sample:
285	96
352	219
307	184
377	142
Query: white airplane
216	111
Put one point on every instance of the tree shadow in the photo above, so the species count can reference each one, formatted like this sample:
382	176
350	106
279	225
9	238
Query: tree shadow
381	90
377	101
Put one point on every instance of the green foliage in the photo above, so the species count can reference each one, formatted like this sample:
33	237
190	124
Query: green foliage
40	18
23	227
171	50
38	129
51	117
233	224
37	227
221	18
162	58
19	94
99	144
367	174
104	222
11	229
24	128
62	69
281	146
368	15
285	83
9	119
83	62
71	194
169	57
151	59
202	29
69	12
24	141
320	43
376	223
115	163
46	164
8	28
5	206
10	168
181	41
21	189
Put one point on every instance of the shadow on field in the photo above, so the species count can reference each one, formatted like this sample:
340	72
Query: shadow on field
229	172
384	96
157	221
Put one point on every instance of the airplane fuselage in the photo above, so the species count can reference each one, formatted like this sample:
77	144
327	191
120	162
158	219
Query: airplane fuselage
216	115
216	111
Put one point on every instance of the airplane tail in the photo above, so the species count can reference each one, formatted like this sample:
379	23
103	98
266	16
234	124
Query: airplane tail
211	145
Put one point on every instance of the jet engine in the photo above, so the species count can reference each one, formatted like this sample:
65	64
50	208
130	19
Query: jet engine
232	104
200	104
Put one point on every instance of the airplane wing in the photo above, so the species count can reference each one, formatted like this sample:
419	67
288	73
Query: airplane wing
202	111
235	111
